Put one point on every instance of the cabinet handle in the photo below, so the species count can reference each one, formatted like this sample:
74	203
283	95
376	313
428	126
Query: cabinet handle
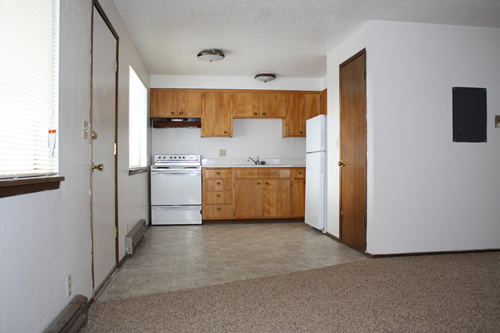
255	113
218	183
182	112
225	132
267	183
217	173
218	195
218	208
300	172
263	113
172	112
258	183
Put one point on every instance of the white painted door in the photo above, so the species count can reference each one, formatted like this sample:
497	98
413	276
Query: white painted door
103	124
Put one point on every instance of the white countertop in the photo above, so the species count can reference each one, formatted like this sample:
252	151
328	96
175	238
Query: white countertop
244	163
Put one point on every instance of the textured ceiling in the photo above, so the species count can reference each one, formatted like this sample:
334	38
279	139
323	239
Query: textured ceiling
288	37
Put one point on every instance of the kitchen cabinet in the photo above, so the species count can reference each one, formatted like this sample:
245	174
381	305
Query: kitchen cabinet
217	193
299	108
167	103
298	191
272	105
258	104
262	193
216	119
245	104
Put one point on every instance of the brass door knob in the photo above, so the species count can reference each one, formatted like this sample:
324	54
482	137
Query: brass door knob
99	167
341	164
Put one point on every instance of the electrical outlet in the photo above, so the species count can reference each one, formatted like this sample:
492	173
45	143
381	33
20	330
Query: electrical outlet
68	285
222	153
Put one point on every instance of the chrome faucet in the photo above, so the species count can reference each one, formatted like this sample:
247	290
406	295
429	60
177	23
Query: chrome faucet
257	162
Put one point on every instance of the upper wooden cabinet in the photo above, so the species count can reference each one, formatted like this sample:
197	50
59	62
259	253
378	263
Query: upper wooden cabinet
273	104
167	103
258	104
216	118
245	104
299	108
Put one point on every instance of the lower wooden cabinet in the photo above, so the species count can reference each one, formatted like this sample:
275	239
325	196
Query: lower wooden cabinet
217	193
253	193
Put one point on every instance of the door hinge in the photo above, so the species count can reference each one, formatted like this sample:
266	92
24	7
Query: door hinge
115	148
116	66
364	75
364	222
116	232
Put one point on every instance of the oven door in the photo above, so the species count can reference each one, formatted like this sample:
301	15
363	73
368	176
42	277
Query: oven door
175	187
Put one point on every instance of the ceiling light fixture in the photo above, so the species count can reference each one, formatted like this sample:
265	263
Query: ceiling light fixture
265	77
211	54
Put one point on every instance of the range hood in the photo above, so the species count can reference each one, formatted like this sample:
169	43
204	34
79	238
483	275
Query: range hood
176	122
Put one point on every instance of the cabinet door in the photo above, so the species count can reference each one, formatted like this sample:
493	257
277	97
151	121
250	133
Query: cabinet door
298	197
312	105
295	122
216	119
189	104
276	197
247	198
163	103
245	105
273	105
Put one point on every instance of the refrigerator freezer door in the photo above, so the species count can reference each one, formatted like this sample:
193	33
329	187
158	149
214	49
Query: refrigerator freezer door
315	214
316	134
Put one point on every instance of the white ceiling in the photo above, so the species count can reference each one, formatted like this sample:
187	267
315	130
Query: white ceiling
288	37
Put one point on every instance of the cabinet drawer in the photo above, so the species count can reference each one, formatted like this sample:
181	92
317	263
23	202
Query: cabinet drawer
262	173
299	173
217	198
217	185
217	211
218	173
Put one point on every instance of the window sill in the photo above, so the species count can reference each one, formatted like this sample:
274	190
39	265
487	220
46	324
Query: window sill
136	171
12	187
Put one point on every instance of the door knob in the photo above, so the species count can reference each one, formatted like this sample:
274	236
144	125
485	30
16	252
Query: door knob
94	135
341	164
99	167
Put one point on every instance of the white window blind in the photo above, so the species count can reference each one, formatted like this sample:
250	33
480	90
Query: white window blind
29	37
138	121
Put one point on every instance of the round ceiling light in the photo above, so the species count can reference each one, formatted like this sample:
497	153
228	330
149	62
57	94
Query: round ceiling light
211	54
265	77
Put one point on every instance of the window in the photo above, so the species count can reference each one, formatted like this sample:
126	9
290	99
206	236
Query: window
138	120
29	35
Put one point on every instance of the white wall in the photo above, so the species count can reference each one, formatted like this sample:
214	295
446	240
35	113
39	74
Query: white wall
234	82
251	137
133	193
46	236
426	193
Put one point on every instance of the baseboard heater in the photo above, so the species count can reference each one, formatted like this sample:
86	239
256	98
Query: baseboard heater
72	318
135	235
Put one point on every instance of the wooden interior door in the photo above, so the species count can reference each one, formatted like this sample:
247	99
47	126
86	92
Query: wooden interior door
103	122
353	152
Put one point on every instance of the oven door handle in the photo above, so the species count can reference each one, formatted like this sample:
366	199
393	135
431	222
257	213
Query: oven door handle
163	172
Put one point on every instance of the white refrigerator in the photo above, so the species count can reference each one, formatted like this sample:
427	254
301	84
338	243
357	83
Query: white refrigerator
315	214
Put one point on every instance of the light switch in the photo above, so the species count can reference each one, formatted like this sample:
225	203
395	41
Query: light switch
222	153
85	129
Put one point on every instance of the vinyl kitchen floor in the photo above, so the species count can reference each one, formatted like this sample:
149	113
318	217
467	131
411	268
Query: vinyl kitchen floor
179	257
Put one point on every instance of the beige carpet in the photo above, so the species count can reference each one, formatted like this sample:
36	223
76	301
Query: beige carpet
439	293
